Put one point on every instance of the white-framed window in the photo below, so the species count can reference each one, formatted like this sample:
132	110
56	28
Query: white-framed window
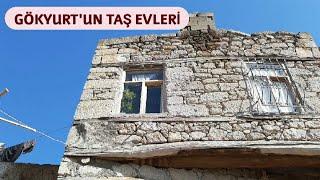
271	89
142	92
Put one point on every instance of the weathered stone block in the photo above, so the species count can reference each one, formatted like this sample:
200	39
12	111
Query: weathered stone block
188	110
313	124
254	136
316	52
149	126
304	52
128	128
121	40
294	134
114	58
217	134
155	138
180	127
214	97
314	134
296	124
233	106
197	135
270	129
175	100
102	84
106	51
178	74
195	85
228	86
128	51
95	109
210	80
147	38
96	60
236	136
174	137
211	87
225	126
133	139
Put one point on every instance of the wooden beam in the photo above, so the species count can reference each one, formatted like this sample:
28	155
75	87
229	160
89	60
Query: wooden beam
226	158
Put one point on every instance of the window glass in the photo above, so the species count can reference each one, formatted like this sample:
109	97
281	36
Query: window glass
283	96
153	100
130	102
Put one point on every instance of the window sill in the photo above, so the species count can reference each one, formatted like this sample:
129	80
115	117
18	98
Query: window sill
277	116
146	115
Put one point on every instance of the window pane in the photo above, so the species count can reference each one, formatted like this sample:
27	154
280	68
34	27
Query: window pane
266	70
153	100
264	91
130	102
263	100
144	76
283	96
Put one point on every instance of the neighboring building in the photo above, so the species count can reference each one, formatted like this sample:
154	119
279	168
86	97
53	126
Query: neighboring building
203	103
23	171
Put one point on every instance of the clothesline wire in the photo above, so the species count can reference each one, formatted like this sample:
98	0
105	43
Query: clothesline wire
54	131
36	131
13	118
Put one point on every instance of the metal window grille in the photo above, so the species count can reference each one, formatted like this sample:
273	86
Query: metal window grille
271	88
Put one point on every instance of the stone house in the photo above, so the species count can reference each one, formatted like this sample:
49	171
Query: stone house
202	103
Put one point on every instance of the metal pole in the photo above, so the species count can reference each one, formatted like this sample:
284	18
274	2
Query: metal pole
4	92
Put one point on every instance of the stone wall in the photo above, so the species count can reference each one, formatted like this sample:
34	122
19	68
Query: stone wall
196	87
203	69
109	135
306	76
190	44
14	171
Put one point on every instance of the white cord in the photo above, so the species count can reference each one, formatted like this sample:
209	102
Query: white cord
45	135
33	130
3	112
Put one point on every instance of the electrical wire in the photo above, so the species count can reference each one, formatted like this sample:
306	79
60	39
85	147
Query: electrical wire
32	129
13	118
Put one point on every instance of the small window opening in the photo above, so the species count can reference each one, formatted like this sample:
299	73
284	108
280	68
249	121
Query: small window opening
271	89
142	92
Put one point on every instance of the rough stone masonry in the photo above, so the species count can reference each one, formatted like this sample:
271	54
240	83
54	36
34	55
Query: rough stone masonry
206	129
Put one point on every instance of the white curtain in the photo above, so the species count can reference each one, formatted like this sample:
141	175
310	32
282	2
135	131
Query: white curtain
283	97
262	95
144	76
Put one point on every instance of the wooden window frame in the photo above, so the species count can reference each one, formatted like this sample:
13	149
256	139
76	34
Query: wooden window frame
144	89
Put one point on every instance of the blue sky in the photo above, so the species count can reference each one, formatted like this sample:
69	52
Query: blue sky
46	70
